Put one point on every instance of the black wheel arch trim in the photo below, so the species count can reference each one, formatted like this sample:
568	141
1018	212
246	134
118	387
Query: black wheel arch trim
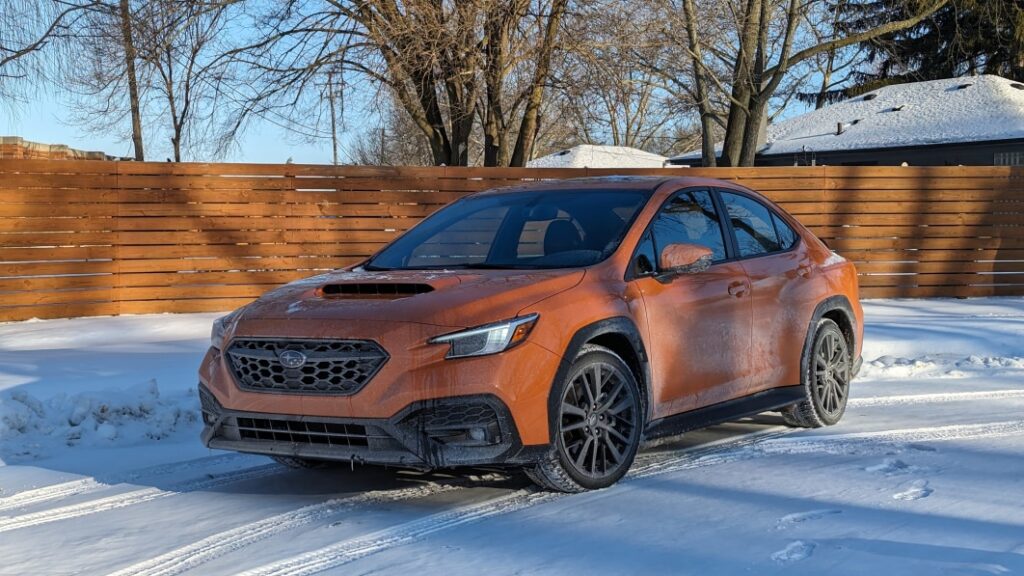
832	303
617	325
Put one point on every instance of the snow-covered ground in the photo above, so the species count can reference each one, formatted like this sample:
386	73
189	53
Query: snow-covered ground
102	473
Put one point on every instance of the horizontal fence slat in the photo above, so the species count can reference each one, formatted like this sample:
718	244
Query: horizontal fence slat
251	250
924	219
97	237
229	263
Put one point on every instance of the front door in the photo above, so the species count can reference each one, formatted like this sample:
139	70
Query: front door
700	323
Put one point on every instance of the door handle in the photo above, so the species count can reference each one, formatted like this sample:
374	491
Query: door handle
804	270
738	289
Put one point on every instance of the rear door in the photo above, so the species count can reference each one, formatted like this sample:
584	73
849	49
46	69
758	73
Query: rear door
699	323
784	288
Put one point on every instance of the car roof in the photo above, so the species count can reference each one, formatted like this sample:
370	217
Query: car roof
591	183
586	184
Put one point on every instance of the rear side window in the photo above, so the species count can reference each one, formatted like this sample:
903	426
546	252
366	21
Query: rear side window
690	218
752	222
787	237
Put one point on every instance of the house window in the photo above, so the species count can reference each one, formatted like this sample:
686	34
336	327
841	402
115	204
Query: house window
1009	159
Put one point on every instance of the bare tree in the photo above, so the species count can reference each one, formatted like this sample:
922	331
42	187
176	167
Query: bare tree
708	116
106	83
835	68
177	41
607	92
759	70
394	141
125	17
29	31
747	58
441	60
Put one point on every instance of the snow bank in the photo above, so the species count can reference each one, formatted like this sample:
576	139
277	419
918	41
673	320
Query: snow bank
124	381
930	366
31	427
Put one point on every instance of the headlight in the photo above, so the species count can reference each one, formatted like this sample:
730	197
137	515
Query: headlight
487	339
220	325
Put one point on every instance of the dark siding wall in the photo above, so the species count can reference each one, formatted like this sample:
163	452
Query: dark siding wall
966	154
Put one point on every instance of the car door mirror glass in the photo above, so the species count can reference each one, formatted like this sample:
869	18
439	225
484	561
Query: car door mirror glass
685	258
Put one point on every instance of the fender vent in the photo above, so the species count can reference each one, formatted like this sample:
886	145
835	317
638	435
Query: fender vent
374	290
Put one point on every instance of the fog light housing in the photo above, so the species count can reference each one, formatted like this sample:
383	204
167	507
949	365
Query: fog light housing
209	406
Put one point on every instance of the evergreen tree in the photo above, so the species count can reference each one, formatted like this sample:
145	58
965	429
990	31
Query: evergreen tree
965	37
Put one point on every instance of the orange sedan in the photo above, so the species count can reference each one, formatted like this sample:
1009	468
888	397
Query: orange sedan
552	326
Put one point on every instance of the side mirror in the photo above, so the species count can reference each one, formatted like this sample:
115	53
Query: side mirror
685	259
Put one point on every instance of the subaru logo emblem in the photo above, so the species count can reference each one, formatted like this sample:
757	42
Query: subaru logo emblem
291	358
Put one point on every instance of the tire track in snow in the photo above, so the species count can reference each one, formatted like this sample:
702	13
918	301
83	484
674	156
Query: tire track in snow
900	436
356	548
88	485
131	498
216	545
353	549
748	446
933	398
52	492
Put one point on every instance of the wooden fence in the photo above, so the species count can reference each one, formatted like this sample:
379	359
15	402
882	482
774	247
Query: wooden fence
81	238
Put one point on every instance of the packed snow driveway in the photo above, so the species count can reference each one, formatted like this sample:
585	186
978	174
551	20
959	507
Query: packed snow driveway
102	473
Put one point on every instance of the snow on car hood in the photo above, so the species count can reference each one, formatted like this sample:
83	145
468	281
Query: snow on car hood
451	298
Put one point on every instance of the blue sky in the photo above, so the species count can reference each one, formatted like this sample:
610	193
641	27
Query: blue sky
44	120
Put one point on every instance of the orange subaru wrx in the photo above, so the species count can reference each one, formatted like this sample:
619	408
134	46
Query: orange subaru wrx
552	326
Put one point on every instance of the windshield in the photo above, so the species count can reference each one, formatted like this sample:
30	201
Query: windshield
517	230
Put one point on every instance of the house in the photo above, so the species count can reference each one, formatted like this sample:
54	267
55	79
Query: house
974	121
15	148
592	156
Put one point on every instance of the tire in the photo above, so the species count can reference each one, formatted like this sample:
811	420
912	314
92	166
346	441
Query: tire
827	369
299	463
597	427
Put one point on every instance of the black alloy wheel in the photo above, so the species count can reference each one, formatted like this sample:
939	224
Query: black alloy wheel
599	420
831	374
826	380
598	424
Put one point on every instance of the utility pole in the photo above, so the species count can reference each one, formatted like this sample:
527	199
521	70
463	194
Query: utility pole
334	123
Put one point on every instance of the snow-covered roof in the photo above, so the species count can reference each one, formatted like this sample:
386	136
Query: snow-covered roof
591	156
966	109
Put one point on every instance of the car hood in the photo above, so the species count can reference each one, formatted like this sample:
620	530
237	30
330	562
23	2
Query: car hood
448	298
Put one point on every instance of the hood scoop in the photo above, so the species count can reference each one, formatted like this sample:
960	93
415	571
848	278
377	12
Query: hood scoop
389	290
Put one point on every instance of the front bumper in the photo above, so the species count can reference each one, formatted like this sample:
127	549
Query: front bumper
442	433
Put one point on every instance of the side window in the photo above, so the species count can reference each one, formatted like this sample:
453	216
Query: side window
787	237
752	222
690	218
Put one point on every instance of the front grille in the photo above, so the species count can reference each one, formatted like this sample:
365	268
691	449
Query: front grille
330	367
303	432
